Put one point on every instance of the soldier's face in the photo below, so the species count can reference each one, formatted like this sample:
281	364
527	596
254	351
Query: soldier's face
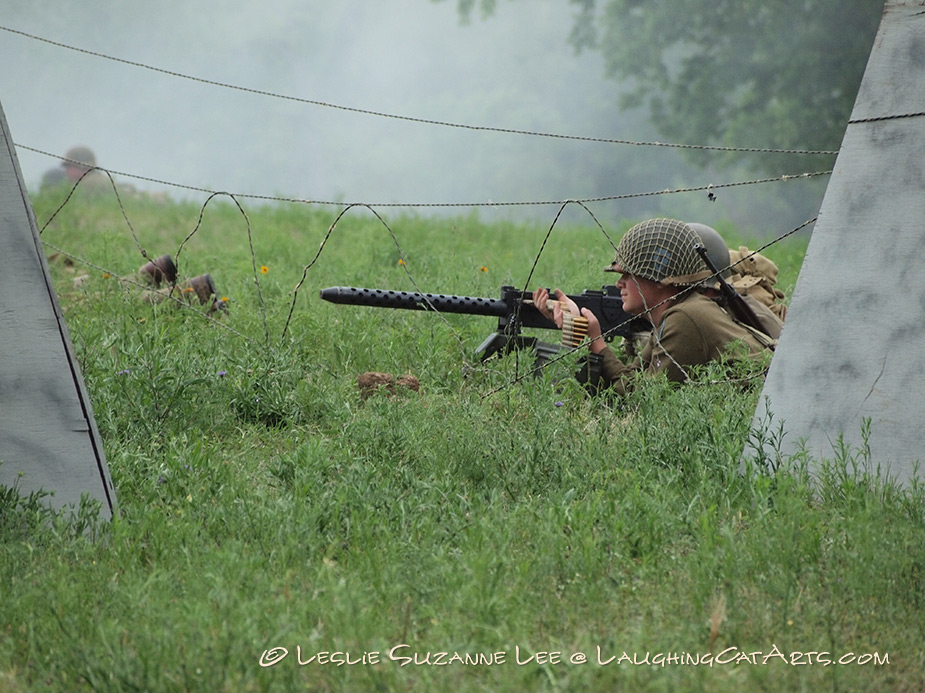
638	294
629	286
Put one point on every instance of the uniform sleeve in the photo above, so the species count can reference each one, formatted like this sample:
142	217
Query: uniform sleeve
599	371
678	336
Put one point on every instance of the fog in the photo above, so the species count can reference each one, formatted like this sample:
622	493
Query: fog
409	58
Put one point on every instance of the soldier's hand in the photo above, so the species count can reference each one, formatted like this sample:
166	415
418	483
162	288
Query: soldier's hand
541	300
596	345
562	303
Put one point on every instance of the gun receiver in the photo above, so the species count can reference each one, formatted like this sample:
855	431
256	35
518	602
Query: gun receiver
514	310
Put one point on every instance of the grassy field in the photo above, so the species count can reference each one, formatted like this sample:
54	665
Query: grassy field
278	531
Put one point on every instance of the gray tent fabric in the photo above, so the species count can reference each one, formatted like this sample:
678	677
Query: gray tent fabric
48	437
849	367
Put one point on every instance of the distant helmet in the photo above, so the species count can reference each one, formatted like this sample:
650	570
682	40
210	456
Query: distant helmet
81	154
717	250
661	250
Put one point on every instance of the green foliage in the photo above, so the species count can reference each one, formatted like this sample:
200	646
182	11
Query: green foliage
265	503
719	72
739	74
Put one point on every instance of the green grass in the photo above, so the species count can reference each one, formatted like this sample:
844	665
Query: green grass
265	504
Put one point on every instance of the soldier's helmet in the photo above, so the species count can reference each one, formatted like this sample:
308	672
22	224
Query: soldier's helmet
661	250
81	154
717	250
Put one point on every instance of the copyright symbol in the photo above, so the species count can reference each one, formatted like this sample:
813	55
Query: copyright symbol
271	657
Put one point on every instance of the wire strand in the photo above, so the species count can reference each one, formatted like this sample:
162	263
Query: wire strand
412	119
710	187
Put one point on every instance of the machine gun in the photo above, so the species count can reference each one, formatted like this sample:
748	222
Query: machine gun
514	310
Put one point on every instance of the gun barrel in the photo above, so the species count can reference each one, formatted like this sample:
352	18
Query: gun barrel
387	298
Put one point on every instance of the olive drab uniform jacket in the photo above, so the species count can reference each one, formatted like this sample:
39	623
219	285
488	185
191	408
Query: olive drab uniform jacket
694	331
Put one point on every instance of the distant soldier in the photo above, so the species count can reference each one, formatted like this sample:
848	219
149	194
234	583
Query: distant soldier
54	177
660	268
78	164
160	274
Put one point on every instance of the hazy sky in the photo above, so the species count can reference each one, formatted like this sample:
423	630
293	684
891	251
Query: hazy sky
404	57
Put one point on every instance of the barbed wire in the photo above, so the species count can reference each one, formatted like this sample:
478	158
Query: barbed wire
563	204
143	251
250	243
107	272
518	377
539	254
402	262
877	119
425	205
412	119
263	311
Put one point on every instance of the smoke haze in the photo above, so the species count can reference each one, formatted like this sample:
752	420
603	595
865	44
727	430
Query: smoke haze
403	57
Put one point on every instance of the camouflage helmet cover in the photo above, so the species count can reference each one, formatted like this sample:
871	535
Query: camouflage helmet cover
661	250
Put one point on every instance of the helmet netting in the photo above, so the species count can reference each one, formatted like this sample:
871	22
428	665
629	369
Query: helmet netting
658	249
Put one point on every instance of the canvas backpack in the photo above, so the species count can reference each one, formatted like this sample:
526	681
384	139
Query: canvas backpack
756	276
